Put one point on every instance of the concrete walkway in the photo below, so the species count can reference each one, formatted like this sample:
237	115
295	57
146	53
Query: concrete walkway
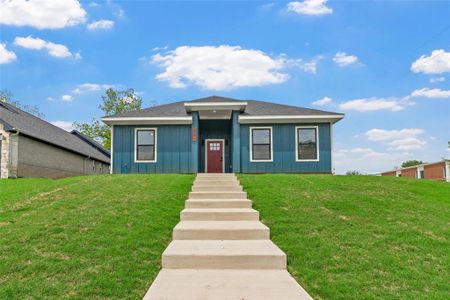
220	250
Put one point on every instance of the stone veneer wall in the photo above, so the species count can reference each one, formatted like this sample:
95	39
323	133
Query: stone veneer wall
8	152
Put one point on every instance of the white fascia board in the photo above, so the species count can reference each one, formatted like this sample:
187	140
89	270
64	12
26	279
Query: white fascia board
290	119
215	106
147	120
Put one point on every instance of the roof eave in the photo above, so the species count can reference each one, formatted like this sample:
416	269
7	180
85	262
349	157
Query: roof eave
198	106
147	120
290	119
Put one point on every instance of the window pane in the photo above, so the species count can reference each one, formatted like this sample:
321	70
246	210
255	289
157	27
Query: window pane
261	136
307	135
145	153
261	152
307	147
146	137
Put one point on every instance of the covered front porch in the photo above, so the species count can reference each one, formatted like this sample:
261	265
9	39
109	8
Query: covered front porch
216	136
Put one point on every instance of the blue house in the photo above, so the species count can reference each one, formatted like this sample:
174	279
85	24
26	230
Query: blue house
217	134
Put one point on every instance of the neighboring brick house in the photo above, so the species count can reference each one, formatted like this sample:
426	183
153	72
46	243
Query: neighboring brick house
437	171
32	147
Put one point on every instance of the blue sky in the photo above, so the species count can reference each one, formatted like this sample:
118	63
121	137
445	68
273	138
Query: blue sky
385	64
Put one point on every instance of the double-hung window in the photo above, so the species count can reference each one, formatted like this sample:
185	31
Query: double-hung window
145	145
307	143
261	144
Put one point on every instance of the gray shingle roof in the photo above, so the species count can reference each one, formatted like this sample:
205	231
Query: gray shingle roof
32	126
92	142
254	108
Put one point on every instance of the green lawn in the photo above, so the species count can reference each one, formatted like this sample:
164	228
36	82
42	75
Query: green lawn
359	237
346	237
86	237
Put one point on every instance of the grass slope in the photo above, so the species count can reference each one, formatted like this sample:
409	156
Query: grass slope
359	237
86	237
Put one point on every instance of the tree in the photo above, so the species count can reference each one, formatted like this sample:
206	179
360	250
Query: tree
114	102
411	163
7	97
353	172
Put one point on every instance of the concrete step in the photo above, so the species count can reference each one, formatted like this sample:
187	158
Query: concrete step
216	178
219	214
217	188
224	175
218	203
217	195
221	230
216	183
227	254
188	284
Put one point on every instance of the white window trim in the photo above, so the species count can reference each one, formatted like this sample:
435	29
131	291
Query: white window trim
317	143
251	143
206	153
135	146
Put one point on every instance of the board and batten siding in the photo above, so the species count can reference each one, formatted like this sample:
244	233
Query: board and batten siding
284	151
173	150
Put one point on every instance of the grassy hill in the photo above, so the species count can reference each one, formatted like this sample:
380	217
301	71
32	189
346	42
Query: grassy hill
359	237
346	237
86	237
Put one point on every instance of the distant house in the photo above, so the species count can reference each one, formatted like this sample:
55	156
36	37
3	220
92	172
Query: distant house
32	147
220	135
437	171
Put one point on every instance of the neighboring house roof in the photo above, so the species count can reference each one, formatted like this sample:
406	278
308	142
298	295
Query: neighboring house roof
253	108
92	142
32	126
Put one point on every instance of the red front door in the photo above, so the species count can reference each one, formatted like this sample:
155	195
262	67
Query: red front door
214	157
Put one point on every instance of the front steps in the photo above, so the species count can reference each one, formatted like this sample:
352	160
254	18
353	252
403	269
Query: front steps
221	203
220	249
223	254
219	214
221	230
225	284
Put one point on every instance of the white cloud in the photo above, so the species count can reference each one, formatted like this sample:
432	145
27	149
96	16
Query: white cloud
309	7
306	66
160	48
267	6
323	101
406	139
438	62
66	125
219	68
343	59
90	87
119	13
407	144
56	50
372	104
431	93
367	160
6	56
42	14
101	24
94	4
67	98
437	79
51	99
377	134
